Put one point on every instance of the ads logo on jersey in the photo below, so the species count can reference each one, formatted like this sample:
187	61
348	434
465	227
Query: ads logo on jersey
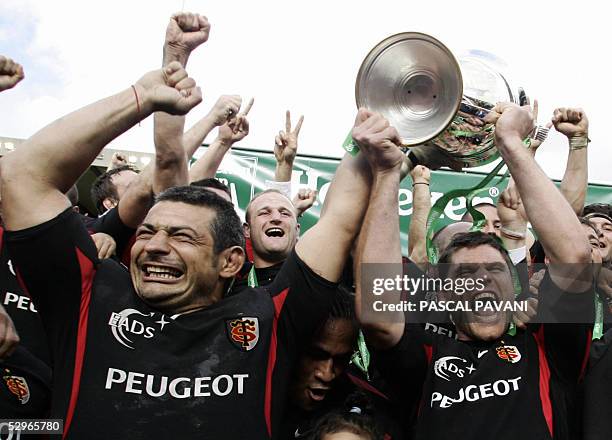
448	366
130	323
17	385
508	353
243	332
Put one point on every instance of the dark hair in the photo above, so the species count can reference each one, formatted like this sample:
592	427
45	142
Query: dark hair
598	208
343	304
247	215
225	229
470	240
211	182
586	221
73	195
355	417
103	187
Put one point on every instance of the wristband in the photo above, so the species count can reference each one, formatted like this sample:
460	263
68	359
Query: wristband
513	234
137	102
578	142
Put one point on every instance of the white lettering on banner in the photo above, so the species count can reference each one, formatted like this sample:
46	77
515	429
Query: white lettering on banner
21	302
404	198
472	393
179	387
455	208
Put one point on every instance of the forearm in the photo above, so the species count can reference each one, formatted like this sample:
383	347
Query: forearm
170	166
283	170
552	217
379	243
575	180
193	139
53	159
421	203
207	165
341	217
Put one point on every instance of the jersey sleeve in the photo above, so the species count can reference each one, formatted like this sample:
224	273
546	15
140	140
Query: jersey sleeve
55	263
110	223
404	366
302	300
566	329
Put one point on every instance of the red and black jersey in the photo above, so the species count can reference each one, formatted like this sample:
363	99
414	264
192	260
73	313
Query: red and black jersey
25	376
125	370
597	423
522	386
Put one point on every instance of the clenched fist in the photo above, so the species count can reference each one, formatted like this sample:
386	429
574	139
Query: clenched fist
169	90
10	73
185	32
572	122
378	141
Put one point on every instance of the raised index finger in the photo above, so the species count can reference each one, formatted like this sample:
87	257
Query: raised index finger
247	109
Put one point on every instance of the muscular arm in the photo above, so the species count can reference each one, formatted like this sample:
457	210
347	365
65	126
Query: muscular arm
575	180
379	242
35	177
560	234
341	217
207	165
421	203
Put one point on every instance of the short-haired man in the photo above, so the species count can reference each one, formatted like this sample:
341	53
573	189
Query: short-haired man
108	188
523	384
272	228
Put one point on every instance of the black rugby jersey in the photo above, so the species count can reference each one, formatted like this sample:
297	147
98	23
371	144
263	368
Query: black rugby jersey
521	386
126	371
597	423
25	376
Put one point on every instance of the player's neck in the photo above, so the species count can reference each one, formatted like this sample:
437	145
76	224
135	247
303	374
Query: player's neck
264	261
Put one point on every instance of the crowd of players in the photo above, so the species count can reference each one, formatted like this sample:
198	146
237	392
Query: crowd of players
168	317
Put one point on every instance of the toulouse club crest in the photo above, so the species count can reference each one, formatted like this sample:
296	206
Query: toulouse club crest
508	353
18	386
243	332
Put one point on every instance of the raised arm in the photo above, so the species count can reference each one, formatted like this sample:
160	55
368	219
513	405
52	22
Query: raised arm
36	176
233	130
573	123
421	203
379	240
550	214
224	109
185	32
10	73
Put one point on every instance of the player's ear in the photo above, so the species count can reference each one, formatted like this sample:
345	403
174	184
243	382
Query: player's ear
231	261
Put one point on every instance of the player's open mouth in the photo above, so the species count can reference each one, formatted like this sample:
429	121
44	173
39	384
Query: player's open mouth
483	306
317	394
160	273
275	232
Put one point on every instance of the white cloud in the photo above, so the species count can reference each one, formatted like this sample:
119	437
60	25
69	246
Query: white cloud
305	56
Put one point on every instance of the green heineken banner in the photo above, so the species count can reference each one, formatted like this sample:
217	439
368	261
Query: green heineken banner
245	171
